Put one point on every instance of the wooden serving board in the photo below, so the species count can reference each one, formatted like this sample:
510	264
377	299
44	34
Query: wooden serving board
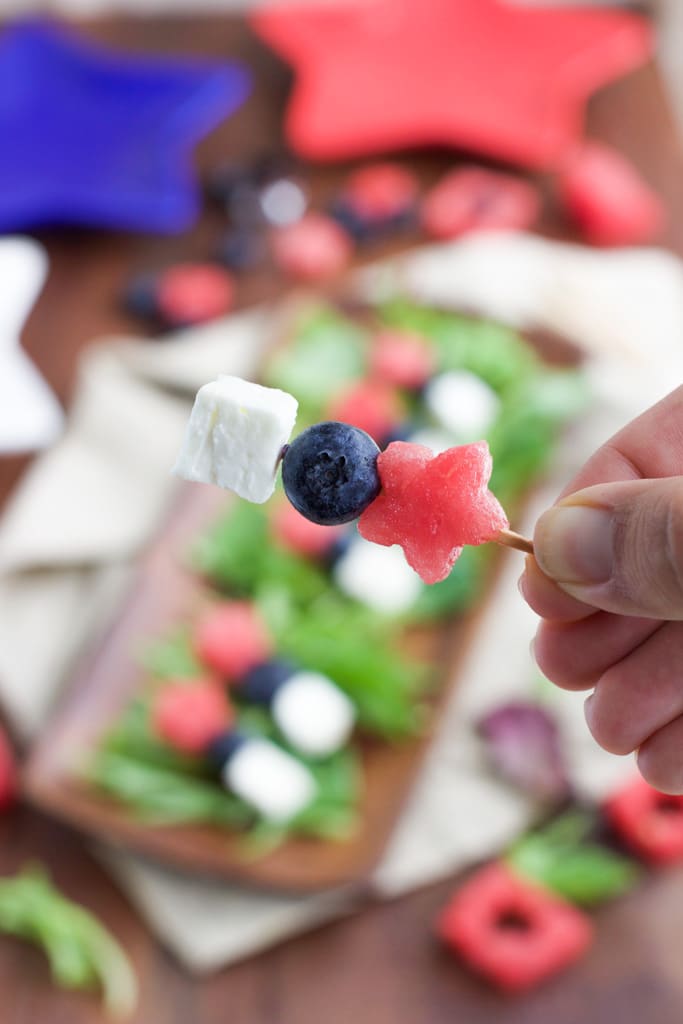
167	592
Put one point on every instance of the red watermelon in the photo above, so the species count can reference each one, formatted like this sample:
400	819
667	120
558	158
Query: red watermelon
432	505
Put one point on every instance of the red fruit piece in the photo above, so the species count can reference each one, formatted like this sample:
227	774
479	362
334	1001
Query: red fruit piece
402	358
312	249
650	822
8	773
608	199
381	191
511	931
471	199
370	405
432	505
231	639
189	715
192	293
296	533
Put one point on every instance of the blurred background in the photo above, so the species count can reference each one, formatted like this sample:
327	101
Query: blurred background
255	767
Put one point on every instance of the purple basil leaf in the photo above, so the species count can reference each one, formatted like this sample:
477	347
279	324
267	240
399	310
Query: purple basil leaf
523	743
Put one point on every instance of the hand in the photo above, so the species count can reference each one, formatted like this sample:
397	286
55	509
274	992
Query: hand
607	579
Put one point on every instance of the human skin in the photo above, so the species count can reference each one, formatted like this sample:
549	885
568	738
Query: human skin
607	580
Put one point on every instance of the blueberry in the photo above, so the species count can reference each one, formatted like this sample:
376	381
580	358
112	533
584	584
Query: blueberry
222	748
242	249
140	296
260	685
330	473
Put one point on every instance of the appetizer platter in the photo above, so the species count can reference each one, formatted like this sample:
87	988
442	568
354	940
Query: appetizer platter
261	705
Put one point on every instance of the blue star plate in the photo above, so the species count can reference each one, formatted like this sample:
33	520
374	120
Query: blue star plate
99	137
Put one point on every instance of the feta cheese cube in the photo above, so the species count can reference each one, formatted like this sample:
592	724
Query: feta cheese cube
269	779
313	713
462	404
235	435
378	577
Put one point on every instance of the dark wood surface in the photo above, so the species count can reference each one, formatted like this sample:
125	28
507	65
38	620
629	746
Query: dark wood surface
382	965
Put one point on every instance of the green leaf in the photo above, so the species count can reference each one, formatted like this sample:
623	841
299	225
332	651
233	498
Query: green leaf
360	651
81	952
563	860
326	353
238	555
458	591
172	657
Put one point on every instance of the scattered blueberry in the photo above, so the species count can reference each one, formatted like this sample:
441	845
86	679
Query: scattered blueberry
242	249
261	683
330	473
222	748
223	182
140	296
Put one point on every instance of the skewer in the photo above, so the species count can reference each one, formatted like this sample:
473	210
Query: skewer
510	539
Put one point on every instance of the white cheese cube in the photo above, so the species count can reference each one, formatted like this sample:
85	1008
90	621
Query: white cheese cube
269	779
377	576
235	436
462	403
313	714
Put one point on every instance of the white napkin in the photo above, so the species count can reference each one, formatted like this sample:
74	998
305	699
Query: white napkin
87	508
30	415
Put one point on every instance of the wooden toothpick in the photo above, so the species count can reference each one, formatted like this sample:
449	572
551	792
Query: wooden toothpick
510	539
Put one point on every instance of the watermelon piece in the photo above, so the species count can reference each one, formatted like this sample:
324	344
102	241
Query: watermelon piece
402	358
369	405
472	199
193	293
432	505
312	249
231	639
381	191
189	714
295	532
608	199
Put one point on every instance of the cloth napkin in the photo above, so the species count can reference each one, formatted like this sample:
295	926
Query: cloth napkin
85	510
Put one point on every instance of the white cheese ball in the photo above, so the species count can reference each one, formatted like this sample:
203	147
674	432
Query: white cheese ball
462	403
313	714
269	779
235	435
377	576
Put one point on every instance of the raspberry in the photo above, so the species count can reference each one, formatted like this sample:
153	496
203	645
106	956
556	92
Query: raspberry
381	192
369	405
192	293
608	199
401	358
512	932
651	823
296	533
8	773
189	715
312	249
231	639
472	198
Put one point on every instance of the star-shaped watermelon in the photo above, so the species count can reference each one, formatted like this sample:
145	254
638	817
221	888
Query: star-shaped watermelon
432	505
483	75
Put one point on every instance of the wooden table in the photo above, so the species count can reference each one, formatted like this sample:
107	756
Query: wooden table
380	966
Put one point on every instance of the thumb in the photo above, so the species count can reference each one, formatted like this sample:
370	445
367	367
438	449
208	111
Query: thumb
618	547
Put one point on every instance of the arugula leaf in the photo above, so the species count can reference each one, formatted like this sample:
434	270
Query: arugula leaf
238	555
172	657
80	950
327	352
562	859
360	651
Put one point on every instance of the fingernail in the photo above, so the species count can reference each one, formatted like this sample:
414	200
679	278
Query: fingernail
573	544
532	648
521	585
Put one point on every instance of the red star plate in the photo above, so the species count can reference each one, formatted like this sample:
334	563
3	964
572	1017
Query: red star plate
482	75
